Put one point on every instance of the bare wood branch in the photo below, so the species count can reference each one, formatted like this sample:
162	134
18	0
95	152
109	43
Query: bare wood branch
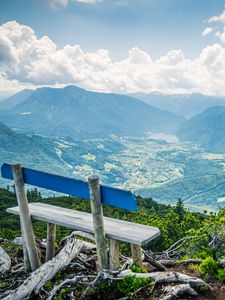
158	265
48	270
173	292
162	277
68	281
91	285
172	263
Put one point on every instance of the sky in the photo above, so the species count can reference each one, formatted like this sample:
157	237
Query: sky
122	46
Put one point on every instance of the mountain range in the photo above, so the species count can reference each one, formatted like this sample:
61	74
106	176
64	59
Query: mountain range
187	105
75	112
13	100
206	129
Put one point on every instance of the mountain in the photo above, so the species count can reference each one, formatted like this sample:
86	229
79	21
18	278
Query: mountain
186	105
19	148
206	129
75	112
15	99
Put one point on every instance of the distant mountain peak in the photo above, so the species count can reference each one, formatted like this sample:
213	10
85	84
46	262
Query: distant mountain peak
73	111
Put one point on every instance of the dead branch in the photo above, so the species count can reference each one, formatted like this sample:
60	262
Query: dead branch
172	263
173	292
47	271
161	277
69	281
92	284
171	251
159	266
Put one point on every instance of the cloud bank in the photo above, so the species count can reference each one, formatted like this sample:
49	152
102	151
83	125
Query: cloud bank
27	59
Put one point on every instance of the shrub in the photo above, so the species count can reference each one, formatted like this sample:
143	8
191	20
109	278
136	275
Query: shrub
209	267
221	275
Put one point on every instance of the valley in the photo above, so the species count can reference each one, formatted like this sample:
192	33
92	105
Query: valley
128	143
163	170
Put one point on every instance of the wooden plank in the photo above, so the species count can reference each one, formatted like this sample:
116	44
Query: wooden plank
114	254
25	220
115	229
74	187
137	255
50	248
98	221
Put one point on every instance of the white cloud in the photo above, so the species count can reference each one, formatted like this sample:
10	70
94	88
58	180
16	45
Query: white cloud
26	59
64	3
207	30
220	18
217	21
88	1
58	3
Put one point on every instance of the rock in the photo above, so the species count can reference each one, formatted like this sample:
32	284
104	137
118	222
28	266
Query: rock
18	241
5	261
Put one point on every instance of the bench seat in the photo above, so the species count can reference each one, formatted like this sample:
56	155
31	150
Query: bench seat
123	231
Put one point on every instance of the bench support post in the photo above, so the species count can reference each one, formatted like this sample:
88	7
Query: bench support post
50	247
137	255
98	221
26	260
25	220
114	254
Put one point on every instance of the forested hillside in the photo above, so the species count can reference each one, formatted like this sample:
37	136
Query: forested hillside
186	237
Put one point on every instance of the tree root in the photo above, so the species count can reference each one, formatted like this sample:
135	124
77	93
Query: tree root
173	292
47	271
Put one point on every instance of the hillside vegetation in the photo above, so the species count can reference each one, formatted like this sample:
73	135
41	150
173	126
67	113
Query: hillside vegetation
202	238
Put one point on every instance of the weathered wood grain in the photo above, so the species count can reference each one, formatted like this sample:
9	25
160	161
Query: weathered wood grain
51	234
137	255
124	231
114	254
98	221
25	220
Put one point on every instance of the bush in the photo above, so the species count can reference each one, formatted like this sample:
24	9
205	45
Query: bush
209	267
130	284
221	275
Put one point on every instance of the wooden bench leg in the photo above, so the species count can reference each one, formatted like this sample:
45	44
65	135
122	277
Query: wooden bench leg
25	220
50	247
98	221
26	260
137	255
114	254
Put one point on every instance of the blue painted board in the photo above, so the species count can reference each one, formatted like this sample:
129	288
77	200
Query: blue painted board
74	187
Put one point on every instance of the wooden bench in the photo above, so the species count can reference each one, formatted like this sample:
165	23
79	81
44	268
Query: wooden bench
116	230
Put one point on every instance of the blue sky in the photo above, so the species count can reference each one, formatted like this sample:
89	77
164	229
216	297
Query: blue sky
154	27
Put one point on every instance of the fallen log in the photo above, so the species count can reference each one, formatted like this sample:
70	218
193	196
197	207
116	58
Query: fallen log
172	263
47	271
173	292
5	261
161	277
